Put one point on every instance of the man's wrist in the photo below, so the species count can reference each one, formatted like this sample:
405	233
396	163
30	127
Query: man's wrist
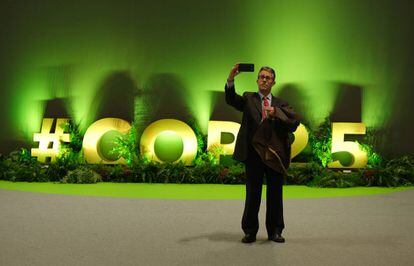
230	83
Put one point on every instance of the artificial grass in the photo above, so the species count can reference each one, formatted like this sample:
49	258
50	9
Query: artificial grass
186	191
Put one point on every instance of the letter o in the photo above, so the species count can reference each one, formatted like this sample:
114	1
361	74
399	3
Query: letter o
187	135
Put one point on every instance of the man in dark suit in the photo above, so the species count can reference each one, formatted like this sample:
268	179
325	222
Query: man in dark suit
256	108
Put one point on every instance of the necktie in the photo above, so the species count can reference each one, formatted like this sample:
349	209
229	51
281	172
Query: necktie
265	104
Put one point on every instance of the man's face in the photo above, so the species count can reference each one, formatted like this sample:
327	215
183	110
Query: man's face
265	82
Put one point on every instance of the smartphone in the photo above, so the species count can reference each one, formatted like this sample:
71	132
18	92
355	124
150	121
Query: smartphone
246	67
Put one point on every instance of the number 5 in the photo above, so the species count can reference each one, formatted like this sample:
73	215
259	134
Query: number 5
339	130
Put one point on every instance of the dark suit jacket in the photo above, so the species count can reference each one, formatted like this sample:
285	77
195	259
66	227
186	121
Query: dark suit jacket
282	126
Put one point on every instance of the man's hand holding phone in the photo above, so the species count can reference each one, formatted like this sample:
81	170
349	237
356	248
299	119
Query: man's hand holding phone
239	67
233	72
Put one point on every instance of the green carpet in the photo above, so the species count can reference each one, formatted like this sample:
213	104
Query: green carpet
186	191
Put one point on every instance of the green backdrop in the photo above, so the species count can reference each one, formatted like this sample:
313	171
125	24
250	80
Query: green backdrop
170	59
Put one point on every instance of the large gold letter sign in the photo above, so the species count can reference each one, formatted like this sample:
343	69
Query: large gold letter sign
91	140
169	140
49	141
215	130
301	140
339	130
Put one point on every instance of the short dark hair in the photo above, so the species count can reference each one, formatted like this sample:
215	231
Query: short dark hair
269	69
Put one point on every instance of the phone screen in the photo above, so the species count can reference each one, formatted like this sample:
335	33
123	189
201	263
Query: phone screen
246	67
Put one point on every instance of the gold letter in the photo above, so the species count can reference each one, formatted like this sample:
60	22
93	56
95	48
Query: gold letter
301	140
215	128
95	133
338	144
45	137
168	126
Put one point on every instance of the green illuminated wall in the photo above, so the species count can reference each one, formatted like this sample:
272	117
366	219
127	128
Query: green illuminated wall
70	49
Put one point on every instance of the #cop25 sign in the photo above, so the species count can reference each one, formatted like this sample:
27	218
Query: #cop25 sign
164	130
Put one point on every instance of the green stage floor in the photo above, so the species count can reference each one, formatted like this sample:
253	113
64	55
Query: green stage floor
186	191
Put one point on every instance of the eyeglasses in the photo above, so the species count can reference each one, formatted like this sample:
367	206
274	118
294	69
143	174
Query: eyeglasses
267	78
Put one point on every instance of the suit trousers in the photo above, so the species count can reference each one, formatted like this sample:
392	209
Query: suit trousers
256	170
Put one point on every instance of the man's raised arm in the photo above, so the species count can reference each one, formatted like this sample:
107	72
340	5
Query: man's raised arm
232	98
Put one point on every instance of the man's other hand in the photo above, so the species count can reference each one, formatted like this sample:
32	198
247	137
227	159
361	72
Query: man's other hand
271	111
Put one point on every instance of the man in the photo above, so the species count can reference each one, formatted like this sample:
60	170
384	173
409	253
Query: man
258	108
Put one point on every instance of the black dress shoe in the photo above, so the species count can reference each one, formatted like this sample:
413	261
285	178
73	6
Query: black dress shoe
248	238
277	238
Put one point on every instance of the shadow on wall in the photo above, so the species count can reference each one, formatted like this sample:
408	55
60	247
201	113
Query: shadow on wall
56	108
167	97
115	97
59	85
164	97
347	107
221	110
292	93
397	137
348	104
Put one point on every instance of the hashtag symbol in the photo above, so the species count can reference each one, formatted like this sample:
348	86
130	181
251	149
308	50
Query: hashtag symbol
49	142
